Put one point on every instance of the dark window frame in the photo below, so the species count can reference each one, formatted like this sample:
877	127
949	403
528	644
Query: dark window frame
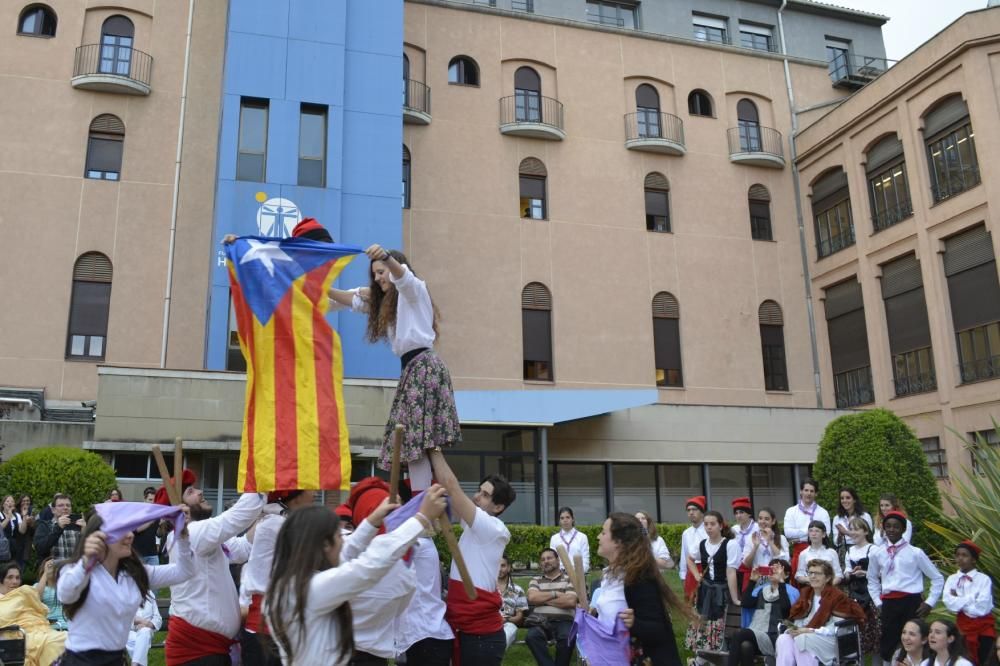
937	456
257	104
750	40
89	313
96	163
537	320
45	21
622	10
772	343
117	44
667	345
712	34
823	218
955	135
760	219
654	222
696	100
465	69
407	176
321	111
889	214
527	212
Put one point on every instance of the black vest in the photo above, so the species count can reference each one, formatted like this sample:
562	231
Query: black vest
718	561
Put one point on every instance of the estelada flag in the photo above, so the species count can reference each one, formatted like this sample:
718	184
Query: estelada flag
294	427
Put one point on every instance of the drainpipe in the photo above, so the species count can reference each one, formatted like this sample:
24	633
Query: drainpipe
803	247
177	187
544	499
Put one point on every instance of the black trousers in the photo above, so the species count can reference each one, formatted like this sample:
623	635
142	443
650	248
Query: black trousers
258	649
430	652
364	659
483	649
896	613
210	660
743	648
94	658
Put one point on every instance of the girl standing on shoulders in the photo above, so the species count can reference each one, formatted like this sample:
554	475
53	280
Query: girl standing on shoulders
946	644
576	542
720	557
818	550
400	311
856	561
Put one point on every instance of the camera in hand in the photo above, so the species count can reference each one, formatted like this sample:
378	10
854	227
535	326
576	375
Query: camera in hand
73	517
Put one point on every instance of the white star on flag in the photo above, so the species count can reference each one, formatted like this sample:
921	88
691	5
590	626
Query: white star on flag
265	253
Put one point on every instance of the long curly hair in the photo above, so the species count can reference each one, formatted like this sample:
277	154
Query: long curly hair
635	561
382	305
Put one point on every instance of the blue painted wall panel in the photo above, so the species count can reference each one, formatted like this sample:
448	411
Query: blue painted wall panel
283	142
315	72
375	81
372	26
320	20
381	172
255	66
259	17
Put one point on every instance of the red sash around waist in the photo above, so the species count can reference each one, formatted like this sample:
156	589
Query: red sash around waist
896	595
976	626
186	642
471	616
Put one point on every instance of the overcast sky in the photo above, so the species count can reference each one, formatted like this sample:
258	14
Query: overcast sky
911	22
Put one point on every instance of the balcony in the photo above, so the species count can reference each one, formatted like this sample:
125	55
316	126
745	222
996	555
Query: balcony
883	219
416	103
854	387
114	69
979	369
913	372
827	246
532	116
855	71
756	146
654	132
954	181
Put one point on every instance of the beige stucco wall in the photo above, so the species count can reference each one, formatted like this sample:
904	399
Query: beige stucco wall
961	59
55	215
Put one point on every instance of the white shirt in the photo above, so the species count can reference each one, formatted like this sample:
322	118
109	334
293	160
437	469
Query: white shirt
747	539
482	544
911	565
690	539
209	600
797	523
768	551
961	661
256	574
732	556
576	544
879	537
974	598
844	520
328	590
821	553
611	600
150	612
424	617
414	327
660	551
104	620
375	610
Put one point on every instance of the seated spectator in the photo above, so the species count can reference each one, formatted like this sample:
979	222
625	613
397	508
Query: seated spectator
20	605
146	623
769	603
553	606
58	537
514	602
46	588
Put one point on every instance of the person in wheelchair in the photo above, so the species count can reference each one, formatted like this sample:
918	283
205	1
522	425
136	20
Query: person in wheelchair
769	602
21	606
812	638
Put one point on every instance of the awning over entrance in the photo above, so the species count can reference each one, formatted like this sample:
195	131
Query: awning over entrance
545	408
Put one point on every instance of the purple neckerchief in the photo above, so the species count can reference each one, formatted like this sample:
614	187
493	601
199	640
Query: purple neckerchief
808	513
120	518
408	510
743	534
892	550
602	645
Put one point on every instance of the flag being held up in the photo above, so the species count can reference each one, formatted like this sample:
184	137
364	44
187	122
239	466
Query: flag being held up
294	428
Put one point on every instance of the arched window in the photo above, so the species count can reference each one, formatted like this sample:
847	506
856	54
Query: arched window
647	106
759	200
406	177
749	122
772	343
117	35
104	148
406	81
888	189
532	175
667	340
657	192
527	96
37	21
951	148
536	331
89	304
831	205
463	70
700	104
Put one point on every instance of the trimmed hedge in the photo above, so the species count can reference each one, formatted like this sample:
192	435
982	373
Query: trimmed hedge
527	541
43	472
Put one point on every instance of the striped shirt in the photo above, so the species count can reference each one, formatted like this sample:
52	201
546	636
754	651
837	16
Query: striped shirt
547	586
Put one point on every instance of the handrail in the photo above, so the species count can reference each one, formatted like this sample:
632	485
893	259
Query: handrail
137	67
531	108
751	138
416	96
654	125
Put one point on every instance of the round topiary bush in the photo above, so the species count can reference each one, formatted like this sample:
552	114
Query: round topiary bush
875	452
43	472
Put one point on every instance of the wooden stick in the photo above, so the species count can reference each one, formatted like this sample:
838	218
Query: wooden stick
161	465
581	576
179	468
456	554
397	444
568	566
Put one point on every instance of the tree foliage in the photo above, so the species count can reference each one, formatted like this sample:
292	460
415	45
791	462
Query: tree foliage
43	472
874	452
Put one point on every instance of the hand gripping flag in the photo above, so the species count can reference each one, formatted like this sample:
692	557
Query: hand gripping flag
294	427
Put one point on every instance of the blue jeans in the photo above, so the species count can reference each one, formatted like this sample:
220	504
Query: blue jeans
483	649
151	560
538	638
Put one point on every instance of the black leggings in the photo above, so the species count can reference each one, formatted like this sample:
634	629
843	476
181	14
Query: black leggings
743	648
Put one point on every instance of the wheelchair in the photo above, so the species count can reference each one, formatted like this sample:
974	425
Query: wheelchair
12	645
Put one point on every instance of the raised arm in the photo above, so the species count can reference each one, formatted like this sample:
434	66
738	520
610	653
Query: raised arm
460	502
211	533
378	253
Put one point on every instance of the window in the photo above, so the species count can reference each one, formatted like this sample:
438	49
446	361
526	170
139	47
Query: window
757	37
667	340
406	177
536	332
104	148
700	104
37	21
909	330
831	204
657	190
532	185
251	159
990	438
838	58
523	6
527	96
235	360
463	71
312	145
617	14
937	458
647	117
710	29
772	342
749	124
634	488
951	149
90	302
845	323
888	189
116	46
973	289
759	201
139	466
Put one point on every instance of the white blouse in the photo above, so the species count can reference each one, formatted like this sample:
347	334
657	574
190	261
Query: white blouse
576	543
414	327
810	553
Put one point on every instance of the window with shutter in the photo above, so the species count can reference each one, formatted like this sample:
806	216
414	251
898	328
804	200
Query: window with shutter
759	203
951	148
90	301
831	205
845	321
657	195
772	341
908	327
666	340
532	176
104	148
974	291
536	332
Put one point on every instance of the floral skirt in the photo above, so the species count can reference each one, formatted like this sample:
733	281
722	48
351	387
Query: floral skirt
425	404
871	630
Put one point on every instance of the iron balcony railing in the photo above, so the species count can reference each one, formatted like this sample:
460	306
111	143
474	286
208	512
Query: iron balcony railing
955	181
755	139
884	219
416	96
109	60
854	387
827	246
977	369
654	125
856	70
534	109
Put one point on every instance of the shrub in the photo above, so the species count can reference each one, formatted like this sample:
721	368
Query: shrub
43	472
875	452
